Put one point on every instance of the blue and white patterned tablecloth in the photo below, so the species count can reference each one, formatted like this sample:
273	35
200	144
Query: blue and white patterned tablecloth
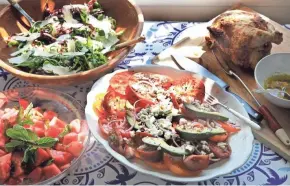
264	167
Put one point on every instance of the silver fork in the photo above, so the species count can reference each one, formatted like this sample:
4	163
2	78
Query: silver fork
214	101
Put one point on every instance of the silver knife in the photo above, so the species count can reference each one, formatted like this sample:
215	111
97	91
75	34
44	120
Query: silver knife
192	66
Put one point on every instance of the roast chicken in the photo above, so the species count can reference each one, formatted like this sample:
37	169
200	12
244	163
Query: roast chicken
245	37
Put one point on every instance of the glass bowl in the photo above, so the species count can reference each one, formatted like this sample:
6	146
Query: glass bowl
66	106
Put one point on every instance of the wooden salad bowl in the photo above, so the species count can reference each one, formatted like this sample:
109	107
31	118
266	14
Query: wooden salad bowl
127	14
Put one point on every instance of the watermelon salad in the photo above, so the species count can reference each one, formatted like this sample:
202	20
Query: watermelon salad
163	122
35	144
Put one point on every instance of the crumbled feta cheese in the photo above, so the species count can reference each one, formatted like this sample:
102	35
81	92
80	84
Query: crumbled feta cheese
182	121
164	123
211	155
167	135
190	148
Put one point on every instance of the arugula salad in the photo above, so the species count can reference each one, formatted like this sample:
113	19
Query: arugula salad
36	145
72	39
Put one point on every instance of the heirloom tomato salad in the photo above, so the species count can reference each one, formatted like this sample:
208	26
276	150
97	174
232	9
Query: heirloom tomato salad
163	122
35	144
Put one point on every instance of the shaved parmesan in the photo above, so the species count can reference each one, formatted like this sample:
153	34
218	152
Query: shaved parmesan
51	20
29	38
104	25
71	47
59	70
20	59
73	53
26	47
63	37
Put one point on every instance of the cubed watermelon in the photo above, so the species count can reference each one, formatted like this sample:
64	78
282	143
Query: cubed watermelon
75	126
41	156
53	131
13	181
23	103
51	171
2	153
66	166
48	115
5	165
35	175
59	147
38	123
39	131
61	158
70	137
75	148
17	158
57	123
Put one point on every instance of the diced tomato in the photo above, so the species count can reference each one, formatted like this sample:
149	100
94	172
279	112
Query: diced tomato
228	127
114	104
53	131
59	147
75	126
120	81
219	138
23	103
57	123
48	115
219	152
17	158
75	148
70	137
61	158
176	166
51	171
35	175
41	156
39	131
5	165
2	153
64	167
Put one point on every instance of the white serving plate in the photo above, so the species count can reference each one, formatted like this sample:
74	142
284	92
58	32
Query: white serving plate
241	143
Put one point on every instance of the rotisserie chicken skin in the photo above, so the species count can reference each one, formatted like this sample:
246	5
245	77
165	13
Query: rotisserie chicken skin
245	37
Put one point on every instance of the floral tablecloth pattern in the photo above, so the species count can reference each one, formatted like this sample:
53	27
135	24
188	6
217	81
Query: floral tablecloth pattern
264	167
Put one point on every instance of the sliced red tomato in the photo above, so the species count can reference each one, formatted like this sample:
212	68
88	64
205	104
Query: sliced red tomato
196	162
5	166
120	81
228	127
41	156
35	175
114	104
51	171
187	88
98	104
156	165
174	101
176	166
107	125
16	161
23	103
70	137
48	115
138	138
150	155
219	152
75	148
145	81
61	158
219	138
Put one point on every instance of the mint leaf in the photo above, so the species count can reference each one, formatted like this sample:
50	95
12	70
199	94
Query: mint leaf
22	134
29	155
46	142
65	131
14	144
26	121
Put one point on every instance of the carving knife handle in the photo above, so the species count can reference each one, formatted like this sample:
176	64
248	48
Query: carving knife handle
255	115
274	125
